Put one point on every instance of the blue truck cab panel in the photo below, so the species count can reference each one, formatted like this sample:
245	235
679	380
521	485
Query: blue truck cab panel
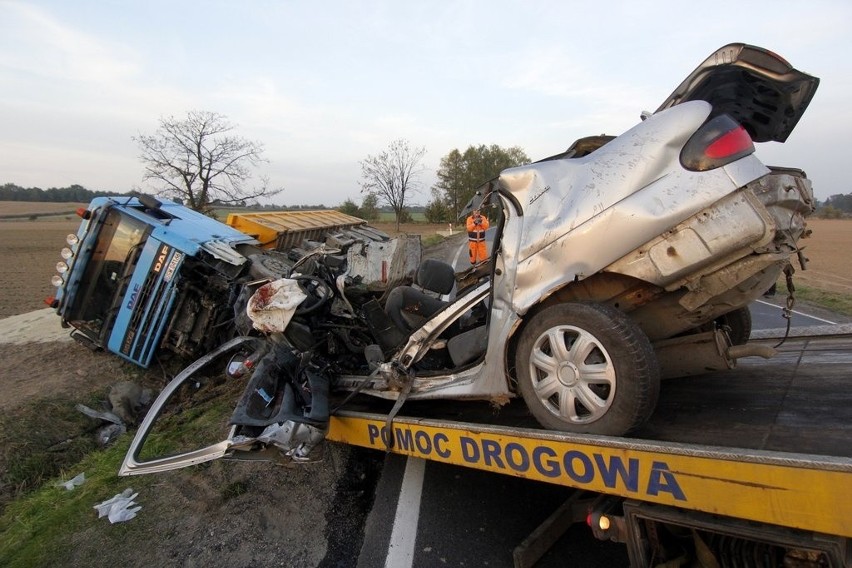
130	270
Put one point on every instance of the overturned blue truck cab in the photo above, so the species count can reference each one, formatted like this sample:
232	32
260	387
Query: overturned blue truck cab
143	277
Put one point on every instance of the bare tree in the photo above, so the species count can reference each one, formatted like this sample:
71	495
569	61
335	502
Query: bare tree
199	160
391	174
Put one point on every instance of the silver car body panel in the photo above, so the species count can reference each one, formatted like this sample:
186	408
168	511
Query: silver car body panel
582	214
717	235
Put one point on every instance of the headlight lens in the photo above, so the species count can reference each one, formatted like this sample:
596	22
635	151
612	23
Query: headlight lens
72	239
57	280
66	253
61	267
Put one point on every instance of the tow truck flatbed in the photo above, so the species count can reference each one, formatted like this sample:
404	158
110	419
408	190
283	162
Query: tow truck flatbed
770	441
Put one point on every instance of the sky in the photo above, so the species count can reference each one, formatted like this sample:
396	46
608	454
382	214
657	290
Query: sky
324	85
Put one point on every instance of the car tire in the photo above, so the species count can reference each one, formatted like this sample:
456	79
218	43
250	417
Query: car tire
738	325
587	368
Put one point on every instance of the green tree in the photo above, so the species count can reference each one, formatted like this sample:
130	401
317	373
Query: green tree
841	202
436	210
199	160
460	174
392	175
370	207
350	208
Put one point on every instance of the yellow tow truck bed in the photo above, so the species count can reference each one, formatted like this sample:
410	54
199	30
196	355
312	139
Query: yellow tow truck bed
770	441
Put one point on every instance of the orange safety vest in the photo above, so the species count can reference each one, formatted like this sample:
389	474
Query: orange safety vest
476	238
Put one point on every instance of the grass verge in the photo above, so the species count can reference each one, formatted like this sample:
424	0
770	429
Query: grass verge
39	524
35	528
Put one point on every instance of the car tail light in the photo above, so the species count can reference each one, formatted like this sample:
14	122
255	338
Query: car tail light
719	141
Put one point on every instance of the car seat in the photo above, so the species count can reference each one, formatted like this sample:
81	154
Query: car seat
409	307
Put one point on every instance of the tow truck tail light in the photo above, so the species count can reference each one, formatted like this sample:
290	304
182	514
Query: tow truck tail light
84	213
719	141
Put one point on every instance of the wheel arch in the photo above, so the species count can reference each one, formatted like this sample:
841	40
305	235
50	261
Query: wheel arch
621	292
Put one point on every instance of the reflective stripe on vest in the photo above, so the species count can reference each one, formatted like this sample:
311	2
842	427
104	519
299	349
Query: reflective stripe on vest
476	235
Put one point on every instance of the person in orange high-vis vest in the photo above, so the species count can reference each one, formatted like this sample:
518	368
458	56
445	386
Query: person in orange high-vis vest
476	227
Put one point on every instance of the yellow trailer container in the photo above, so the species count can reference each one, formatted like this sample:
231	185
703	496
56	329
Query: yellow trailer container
284	229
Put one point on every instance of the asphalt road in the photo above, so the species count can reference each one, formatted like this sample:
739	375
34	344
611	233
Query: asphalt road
768	314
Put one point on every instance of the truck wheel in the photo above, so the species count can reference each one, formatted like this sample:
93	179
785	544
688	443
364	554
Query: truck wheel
272	265
738	325
586	367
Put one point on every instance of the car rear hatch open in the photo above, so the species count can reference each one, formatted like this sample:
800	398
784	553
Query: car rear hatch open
756	87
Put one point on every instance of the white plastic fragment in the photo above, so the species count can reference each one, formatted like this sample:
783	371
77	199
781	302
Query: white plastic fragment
119	508
73	482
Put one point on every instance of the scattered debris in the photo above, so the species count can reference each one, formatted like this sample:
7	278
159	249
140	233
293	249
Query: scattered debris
126	400
120	507
73	482
99	415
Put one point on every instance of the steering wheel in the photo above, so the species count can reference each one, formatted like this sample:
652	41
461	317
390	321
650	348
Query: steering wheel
318	292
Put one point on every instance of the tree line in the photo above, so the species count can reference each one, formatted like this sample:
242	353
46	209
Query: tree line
71	194
836	207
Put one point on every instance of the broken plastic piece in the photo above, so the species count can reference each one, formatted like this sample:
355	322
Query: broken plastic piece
108	434
120	507
105	416
73	482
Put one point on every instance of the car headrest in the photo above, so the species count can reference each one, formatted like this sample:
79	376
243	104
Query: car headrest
436	275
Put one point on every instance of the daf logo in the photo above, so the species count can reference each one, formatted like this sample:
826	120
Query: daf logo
133	296
161	258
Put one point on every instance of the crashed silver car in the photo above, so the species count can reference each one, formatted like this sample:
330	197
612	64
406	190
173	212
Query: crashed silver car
619	262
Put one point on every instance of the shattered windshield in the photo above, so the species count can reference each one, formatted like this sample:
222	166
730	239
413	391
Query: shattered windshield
119	236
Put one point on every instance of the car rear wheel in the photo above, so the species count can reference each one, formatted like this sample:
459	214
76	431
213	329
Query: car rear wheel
585	367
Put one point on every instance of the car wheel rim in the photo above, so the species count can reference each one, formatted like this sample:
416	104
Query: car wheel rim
572	374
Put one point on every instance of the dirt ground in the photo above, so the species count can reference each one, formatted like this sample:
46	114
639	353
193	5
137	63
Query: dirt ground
188	518
829	254
12	209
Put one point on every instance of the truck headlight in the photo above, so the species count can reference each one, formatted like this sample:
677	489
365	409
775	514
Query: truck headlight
66	253
72	239
61	267
57	280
